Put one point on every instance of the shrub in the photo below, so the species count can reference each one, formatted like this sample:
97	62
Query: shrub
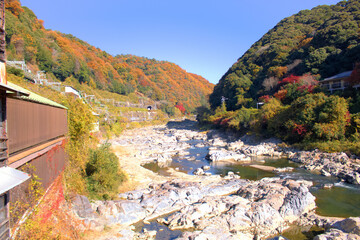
244	119
103	173
353	131
202	114
15	71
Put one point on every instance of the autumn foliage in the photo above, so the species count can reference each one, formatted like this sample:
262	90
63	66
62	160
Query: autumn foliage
64	56
265	98
290	79
180	106
14	6
355	75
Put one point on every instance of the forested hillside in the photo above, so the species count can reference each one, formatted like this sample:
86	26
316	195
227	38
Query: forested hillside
274	90
317	43
66	58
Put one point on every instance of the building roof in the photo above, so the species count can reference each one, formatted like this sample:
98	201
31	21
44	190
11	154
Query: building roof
6	87
33	97
10	178
338	76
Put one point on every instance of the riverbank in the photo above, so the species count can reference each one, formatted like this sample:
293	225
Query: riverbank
210	205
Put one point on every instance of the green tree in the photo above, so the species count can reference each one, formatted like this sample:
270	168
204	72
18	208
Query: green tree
44	59
317	117
103	172
80	121
64	66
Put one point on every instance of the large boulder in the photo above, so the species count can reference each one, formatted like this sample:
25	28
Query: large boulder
224	155
335	234
234	146
349	225
296	203
206	208
218	142
130	211
82	207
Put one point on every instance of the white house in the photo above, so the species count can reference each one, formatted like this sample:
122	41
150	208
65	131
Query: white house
336	82
72	91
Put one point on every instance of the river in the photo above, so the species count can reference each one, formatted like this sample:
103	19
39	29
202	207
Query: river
340	200
159	155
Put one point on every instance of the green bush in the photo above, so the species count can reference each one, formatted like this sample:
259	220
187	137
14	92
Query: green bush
202	114
15	71
244	119
311	117
322	117
353	131
103	173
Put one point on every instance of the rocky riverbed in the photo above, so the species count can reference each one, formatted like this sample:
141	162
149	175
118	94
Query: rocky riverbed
206	206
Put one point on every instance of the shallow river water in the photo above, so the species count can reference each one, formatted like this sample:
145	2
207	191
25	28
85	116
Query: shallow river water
342	200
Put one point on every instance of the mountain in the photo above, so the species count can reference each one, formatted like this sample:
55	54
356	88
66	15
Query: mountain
66	58
319	43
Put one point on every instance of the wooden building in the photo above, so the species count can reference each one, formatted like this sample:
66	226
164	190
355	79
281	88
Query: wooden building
336	82
10	177
32	132
37	128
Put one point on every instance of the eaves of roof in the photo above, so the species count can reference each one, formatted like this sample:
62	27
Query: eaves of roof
33	97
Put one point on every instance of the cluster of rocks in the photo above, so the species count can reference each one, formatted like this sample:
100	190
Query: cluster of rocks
258	209
234	207
342	230
159	144
329	164
149	203
241	150
220	208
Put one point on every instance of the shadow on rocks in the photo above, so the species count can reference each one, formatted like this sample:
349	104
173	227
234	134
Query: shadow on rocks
186	124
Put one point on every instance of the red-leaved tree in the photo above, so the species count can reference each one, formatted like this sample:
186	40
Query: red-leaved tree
180	106
355	75
290	79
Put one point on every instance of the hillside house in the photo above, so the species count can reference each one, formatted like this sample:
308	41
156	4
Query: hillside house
337	82
72	92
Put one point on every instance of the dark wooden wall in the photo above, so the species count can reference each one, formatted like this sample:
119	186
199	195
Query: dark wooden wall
30	124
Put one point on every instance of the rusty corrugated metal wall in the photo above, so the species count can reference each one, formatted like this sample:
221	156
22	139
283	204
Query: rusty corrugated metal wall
30	124
47	167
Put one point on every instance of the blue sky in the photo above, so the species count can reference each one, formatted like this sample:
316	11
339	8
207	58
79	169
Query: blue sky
202	36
